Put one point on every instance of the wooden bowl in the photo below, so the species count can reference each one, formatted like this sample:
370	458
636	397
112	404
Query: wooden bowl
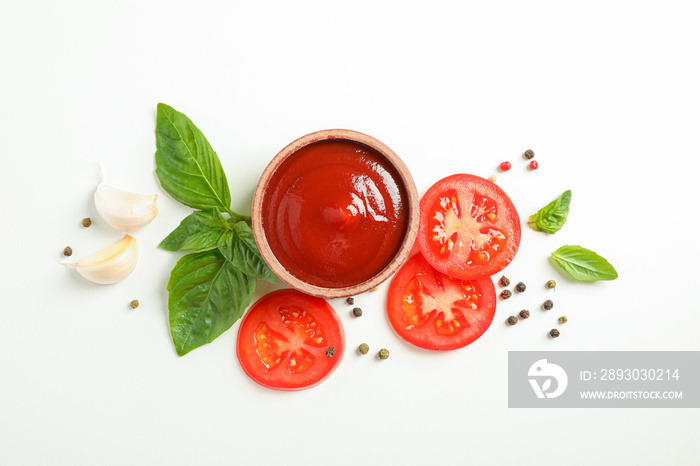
412	204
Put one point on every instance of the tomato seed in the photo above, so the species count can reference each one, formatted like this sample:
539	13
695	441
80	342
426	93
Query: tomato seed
529	154
554	333
512	320
563	320
68	251
505	281
524	314
504	166
520	287
505	294
534	165
548	305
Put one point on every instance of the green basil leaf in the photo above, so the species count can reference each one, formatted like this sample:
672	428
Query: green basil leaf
187	166
207	294
584	264
220	220
552	217
239	247
198	231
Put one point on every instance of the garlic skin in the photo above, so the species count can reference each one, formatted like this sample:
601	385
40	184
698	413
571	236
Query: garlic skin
111	264
124	210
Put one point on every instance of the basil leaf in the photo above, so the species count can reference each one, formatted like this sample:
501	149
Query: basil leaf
198	231
239	247
584	264
552	217
186	165
207	294
220	220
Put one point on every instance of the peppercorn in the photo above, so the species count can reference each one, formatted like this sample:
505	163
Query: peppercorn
504	166
505	281
554	333
68	251
493	178
357	312
563	319
524	314
134	304
529	154
512	320
548	305
520	287
330	351
86	222
364	348
505	294
350	301
534	165
375	288
383	353
551	284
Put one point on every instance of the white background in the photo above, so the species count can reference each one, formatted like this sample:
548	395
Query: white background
606	94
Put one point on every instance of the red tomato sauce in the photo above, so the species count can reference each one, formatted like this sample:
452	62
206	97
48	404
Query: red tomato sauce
335	213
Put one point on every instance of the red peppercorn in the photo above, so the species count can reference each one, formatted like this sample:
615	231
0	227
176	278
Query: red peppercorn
534	165
504	166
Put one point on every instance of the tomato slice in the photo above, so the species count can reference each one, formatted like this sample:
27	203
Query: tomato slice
433	311
469	227
282	341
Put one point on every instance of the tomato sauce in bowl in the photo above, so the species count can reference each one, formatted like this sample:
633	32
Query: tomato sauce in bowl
335	213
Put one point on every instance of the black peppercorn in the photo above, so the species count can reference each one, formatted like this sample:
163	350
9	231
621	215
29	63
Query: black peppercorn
554	333
505	294
524	314
505	281
512	320
330	351
357	312
520	287
350	301
529	154
68	251
548	305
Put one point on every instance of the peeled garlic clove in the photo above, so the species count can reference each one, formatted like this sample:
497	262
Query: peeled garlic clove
124	210
111	264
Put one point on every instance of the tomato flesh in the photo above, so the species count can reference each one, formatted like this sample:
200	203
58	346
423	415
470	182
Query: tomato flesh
469	228
283	339
433	311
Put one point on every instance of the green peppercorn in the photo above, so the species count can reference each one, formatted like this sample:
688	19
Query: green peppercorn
68	251
548	305
524	314
505	281
357	312
520	287
86	222
364	348
551	284
512	320
563	319
134	304
505	294
330	351
383	353
528	154
350	301
554	333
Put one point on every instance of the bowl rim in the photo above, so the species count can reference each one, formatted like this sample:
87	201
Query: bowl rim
413	207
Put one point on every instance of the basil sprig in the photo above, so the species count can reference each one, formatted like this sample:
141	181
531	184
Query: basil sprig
209	288
552	217
584	264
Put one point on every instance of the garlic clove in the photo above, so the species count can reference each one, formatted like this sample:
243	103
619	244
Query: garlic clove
111	264
124	210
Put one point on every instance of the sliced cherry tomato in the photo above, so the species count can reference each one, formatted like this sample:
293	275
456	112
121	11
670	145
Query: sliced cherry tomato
284	339
433	311
469	228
